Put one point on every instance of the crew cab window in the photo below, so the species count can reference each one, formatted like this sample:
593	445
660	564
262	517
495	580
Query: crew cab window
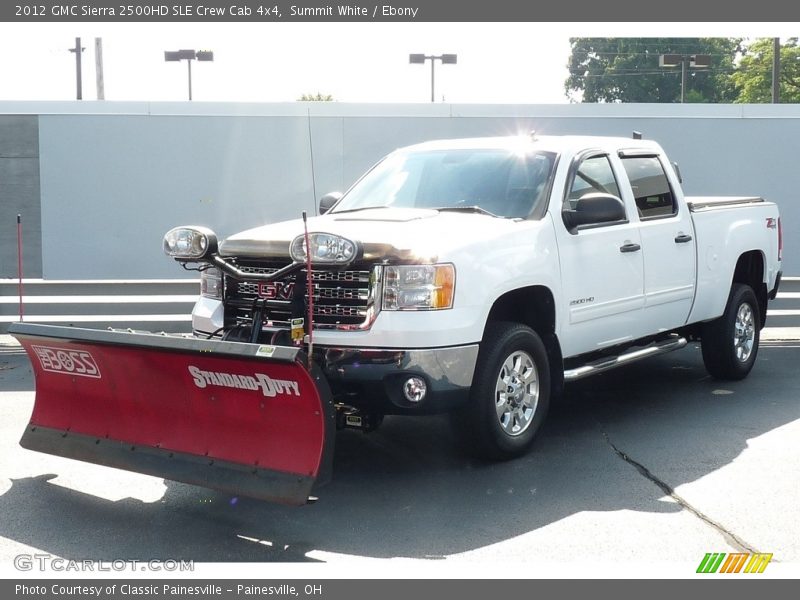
594	175
651	189
502	182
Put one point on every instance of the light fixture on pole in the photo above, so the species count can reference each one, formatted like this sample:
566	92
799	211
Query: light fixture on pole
189	56
684	61
419	59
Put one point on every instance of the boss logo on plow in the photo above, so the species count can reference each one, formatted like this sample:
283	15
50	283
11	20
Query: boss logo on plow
71	362
257	382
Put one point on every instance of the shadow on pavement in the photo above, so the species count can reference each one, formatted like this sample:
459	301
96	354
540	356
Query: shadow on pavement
405	491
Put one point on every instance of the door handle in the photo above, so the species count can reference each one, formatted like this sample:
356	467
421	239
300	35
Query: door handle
683	238
630	248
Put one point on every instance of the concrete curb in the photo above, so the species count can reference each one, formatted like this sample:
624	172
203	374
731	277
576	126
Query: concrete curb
7	341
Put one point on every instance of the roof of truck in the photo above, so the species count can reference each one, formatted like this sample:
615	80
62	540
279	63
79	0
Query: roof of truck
553	143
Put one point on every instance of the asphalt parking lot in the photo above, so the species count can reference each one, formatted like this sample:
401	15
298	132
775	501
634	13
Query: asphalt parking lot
653	462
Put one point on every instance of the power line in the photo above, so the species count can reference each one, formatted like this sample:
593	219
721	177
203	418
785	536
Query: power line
654	54
637	73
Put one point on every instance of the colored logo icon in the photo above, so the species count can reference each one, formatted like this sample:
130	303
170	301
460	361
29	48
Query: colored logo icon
743	562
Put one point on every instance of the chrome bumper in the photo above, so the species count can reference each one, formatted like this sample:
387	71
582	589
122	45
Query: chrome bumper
373	378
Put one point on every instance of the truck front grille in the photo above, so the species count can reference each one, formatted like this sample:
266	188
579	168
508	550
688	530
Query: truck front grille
342	298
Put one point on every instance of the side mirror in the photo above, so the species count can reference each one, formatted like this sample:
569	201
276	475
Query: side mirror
328	200
594	209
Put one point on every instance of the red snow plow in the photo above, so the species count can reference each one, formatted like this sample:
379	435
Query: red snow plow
248	419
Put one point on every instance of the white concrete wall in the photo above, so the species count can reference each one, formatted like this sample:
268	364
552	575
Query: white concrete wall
115	176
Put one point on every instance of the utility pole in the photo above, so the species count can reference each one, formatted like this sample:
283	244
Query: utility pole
78	50
98	68
683	79
776	70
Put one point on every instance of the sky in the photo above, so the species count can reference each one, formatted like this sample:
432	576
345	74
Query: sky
505	63
358	62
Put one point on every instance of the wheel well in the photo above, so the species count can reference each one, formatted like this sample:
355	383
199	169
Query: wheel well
535	307
750	271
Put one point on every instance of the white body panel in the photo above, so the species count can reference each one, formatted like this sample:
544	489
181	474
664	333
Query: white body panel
602	298
724	233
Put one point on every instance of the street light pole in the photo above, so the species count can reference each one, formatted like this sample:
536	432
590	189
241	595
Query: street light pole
433	80
695	61
419	59
189	56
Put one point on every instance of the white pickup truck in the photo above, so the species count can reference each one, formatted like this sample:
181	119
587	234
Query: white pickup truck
477	276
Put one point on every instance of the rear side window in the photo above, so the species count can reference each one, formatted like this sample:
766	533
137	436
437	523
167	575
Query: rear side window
654	197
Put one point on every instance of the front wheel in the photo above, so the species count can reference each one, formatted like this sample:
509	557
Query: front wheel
510	393
730	343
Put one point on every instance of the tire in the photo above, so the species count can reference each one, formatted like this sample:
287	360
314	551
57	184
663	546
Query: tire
494	424
730	343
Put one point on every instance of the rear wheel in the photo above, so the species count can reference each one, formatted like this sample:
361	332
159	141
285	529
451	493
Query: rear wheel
510	394
730	343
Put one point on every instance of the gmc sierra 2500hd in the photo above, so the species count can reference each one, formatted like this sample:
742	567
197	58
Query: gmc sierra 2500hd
479	275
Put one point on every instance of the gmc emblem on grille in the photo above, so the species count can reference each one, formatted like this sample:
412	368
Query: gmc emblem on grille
276	290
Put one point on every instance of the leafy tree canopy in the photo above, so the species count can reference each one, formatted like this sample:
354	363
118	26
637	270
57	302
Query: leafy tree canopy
753	78
627	70
318	97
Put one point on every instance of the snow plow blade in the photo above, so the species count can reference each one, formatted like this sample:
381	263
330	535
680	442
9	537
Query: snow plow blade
246	419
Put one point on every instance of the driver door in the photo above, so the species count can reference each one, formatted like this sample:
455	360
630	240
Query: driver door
602	269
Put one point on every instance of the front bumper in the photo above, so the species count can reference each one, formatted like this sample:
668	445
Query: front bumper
372	379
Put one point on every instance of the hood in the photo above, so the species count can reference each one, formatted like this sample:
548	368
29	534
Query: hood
393	233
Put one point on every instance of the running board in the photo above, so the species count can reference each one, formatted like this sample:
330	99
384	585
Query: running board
612	362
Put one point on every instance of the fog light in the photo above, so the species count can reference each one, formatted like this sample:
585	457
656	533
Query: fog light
414	389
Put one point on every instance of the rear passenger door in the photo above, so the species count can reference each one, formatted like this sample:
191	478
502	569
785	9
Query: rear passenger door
668	247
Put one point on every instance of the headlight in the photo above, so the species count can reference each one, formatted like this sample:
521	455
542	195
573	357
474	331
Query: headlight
418	287
211	283
190	243
326	248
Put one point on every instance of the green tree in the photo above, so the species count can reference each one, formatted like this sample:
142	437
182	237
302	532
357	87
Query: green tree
627	70
318	97
753	78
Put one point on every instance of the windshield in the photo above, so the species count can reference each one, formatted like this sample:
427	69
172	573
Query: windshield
501	182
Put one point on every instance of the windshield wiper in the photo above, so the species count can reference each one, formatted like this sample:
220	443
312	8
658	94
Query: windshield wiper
472	209
349	210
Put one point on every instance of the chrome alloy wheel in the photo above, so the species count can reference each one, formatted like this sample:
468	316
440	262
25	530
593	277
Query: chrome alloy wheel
744	332
517	393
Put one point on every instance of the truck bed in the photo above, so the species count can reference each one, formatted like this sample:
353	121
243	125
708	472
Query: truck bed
712	202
